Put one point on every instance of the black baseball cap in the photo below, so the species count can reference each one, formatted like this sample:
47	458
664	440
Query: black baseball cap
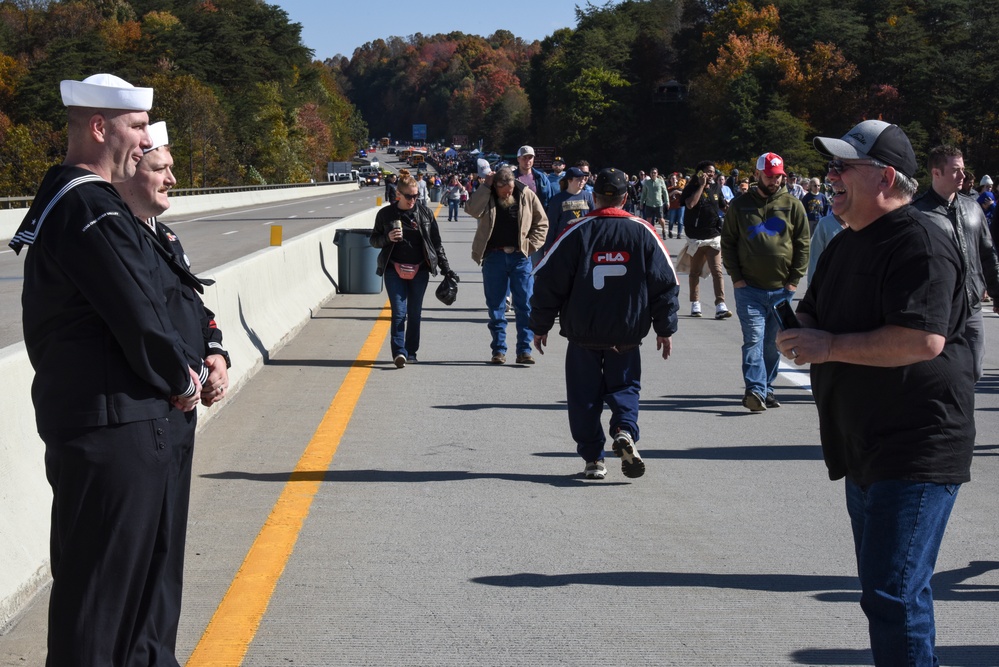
611	182
875	140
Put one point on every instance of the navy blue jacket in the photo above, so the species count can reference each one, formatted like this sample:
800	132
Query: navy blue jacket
109	327
609	279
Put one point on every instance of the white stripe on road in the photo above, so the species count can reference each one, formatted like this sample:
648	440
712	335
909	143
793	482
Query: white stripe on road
796	374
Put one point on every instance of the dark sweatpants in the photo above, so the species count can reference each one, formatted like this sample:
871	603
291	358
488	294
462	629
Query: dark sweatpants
595	377
119	524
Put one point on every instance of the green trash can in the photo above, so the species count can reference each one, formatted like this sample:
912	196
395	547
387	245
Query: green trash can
357	262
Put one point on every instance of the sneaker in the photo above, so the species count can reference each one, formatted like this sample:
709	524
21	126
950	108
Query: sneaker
525	358
753	401
595	470
631	463
722	311
498	359
400	360
695	309
771	401
411	359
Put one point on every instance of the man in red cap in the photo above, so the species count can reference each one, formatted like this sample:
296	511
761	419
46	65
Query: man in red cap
764	244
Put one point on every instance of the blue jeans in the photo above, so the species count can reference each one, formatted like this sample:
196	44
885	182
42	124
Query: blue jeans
406	299
504	273
676	216
595	377
452	209
760	356
897	529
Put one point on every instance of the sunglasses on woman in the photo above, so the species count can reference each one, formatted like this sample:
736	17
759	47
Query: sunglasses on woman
408	196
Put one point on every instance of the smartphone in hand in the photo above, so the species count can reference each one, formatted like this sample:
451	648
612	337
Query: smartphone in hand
786	319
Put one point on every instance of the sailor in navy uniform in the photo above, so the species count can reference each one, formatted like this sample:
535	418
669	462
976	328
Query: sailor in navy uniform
119	368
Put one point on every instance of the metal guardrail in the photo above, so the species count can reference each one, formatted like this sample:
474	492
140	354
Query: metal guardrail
25	202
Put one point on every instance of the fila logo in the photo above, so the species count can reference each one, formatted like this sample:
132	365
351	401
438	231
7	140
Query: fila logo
611	257
602	272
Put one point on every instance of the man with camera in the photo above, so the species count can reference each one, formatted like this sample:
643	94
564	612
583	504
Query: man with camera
702	219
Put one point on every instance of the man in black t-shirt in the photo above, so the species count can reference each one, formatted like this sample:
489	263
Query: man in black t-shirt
893	380
702	218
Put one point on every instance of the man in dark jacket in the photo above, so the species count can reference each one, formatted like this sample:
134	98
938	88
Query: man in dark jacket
118	373
616	265
964	220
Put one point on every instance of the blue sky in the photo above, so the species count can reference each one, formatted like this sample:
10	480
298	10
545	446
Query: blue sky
340	26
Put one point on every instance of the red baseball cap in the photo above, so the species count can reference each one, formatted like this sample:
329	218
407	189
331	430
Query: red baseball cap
771	164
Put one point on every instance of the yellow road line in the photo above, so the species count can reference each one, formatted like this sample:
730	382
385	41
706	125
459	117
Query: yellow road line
235	622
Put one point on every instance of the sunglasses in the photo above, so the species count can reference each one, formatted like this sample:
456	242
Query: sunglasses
839	166
408	197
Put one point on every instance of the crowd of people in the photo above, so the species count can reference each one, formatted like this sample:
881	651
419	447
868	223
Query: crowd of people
890	323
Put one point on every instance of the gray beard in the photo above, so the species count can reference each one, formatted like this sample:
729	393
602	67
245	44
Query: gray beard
506	202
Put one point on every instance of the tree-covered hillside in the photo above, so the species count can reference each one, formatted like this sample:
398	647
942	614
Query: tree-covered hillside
671	82
243	98
641	82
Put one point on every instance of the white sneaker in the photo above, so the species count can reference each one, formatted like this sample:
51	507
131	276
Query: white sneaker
695	309
722	311
632	464
595	470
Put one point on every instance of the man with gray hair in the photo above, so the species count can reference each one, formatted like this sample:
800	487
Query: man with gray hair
117	377
893	379
511	227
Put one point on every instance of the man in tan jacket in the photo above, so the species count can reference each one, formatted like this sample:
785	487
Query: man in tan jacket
512	226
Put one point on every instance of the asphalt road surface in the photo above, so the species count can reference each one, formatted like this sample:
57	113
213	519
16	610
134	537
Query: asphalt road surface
211	239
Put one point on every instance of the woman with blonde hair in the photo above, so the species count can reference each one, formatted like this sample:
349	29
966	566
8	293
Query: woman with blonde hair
406	231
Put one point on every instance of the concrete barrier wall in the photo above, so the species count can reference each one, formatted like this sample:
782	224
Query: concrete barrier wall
260	302
11	219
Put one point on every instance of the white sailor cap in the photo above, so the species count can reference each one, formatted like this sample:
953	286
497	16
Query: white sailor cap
158	135
106	91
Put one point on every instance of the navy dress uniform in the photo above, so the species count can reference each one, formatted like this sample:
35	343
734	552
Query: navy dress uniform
113	333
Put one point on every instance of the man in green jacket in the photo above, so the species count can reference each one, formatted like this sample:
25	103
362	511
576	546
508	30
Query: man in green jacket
764	244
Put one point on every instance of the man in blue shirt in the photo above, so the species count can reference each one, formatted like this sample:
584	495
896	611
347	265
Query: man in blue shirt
816	204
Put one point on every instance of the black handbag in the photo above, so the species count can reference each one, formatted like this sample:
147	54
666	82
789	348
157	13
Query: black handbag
447	291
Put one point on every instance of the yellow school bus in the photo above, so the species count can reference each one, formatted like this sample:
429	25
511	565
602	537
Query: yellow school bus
416	159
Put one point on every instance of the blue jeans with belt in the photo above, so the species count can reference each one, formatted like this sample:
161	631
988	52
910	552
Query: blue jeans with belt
504	273
406	299
897	529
